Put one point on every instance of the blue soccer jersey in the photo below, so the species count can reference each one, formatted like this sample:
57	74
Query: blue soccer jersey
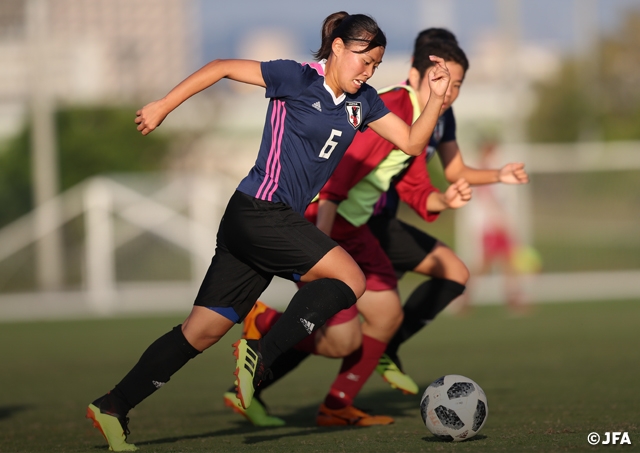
306	132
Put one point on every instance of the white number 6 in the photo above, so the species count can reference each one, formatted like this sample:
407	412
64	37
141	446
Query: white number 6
330	145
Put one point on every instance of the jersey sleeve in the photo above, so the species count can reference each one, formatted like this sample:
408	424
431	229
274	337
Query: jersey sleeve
414	188
377	108
284	78
449	132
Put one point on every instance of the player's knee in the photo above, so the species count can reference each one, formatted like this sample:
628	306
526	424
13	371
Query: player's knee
462	274
359	285
345	346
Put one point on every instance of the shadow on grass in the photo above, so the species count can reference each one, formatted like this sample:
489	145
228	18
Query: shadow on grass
8	411
246	428
301	422
436	440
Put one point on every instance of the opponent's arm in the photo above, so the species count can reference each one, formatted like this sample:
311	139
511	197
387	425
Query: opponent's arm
457	195
327	211
413	139
151	115
455	168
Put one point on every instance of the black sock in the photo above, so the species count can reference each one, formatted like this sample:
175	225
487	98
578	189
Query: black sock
422	306
282	366
157	364
309	309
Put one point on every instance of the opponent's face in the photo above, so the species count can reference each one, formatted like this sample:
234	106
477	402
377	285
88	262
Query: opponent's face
353	68
422	86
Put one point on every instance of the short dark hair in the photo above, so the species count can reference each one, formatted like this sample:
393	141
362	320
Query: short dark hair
446	49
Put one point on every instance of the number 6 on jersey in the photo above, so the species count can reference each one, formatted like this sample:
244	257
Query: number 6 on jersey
330	145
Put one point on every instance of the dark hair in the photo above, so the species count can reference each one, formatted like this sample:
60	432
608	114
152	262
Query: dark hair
446	49
356	27
431	34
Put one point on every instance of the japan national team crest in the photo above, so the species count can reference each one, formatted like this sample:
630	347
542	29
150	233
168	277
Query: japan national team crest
354	113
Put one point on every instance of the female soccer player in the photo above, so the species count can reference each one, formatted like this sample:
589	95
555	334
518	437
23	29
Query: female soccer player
353	191
314	113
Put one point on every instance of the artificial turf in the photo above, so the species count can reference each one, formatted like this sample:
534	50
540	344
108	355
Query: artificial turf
551	378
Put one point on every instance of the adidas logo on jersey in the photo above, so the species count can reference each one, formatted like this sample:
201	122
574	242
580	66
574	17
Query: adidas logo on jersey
316	105
307	325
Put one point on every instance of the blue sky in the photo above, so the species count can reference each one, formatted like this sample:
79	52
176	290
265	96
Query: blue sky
546	22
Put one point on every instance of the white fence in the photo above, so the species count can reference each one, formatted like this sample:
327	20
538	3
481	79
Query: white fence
185	211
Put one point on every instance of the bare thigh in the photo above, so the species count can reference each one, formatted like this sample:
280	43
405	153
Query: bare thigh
442	262
338	264
382	312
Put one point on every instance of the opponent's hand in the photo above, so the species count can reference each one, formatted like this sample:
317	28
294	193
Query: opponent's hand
457	194
439	76
150	116
513	174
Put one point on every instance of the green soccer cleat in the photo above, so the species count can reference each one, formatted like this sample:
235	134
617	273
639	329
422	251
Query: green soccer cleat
113	428
256	413
394	376
250	370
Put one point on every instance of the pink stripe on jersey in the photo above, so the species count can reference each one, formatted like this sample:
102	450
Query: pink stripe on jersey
278	148
317	66
272	168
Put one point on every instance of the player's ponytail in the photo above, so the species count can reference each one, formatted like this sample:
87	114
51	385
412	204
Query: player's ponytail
356	27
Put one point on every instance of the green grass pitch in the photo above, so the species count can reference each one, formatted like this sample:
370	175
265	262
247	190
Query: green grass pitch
551	378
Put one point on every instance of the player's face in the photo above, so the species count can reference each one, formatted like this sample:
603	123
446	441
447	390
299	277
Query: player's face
457	76
356	68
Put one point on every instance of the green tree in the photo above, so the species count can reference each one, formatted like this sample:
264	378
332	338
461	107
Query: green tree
599	98
91	141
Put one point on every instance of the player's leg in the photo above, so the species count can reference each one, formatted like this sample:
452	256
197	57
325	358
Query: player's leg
448	275
340	335
382	312
204	326
288	245
411	249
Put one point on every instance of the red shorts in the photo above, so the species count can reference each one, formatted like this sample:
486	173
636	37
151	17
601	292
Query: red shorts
365	249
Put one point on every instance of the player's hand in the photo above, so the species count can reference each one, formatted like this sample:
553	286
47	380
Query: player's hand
513	174
457	194
150	116
439	76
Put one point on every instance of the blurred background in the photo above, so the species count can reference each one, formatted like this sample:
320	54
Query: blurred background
96	220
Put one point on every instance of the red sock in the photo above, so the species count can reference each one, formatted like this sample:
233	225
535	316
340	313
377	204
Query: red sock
266	320
356	369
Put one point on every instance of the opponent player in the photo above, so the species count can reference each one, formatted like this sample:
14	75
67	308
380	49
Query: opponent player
408	248
314	113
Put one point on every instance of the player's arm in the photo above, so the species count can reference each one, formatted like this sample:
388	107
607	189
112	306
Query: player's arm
413	139
151	115
455	168
457	195
327	210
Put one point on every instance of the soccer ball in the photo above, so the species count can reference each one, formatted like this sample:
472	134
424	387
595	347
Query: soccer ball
454	408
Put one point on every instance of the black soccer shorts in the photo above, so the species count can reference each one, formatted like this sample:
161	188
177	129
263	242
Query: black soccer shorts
256	240
405	245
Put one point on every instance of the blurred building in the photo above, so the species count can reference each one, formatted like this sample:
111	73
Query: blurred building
78	51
